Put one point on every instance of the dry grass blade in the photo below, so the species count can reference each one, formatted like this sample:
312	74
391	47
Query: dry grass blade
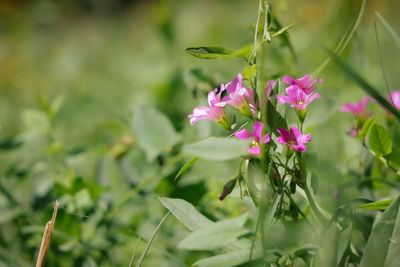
48	232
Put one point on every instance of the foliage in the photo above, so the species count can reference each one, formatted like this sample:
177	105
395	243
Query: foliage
94	106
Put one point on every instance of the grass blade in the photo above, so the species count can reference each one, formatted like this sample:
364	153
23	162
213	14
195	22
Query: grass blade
151	240
186	166
344	41
381	62
371	91
134	252
392	33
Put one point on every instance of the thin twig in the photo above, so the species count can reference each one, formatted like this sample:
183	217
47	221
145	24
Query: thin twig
48	232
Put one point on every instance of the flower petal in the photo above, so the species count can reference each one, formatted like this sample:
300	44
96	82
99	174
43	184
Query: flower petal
257	130
300	147
266	139
296	132
243	134
254	150
289	80
304	138
235	84
284	136
312	98
282	99
270	85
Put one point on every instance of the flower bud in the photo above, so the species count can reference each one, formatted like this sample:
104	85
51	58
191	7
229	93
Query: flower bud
228	188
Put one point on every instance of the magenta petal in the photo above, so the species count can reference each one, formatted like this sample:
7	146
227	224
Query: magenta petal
257	130
395	99
254	150
266	138
296	132
284	135
283	99
304	138
308	90
281	140
211	97
235	84
243	134
288	79
270	85
312	98
300	147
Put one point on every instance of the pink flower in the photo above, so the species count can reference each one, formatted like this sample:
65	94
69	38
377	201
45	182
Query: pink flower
215	111
258	139
293	139
297	97
358	108
305	84
240	97
394	99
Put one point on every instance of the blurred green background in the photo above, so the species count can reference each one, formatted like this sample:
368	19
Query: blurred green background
81	81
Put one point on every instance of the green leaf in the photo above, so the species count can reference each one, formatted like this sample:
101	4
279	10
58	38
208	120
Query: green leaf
394	158
186	213
328	252
378	205
383	245
249	72
153	131
390	30
343	243
371	91
213	52
380	140
218	235
186	166
230	259
215	148
366	128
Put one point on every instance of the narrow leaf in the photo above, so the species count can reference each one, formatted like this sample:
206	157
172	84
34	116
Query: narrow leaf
378	205
371	91
186	166
343	243
186	213
366	128
213	52
390	30
344	41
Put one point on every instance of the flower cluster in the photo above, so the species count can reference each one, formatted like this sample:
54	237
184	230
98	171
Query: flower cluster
300	93
359	110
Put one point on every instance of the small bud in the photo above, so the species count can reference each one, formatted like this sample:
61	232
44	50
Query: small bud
301	114
228	188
